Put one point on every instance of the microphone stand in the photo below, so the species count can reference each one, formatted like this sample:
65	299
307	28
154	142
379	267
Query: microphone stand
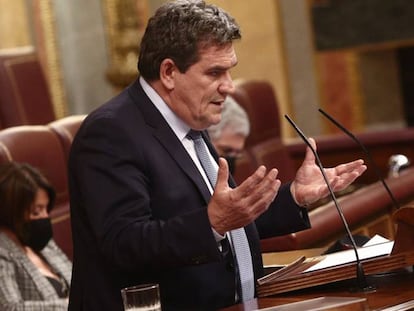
362	284
367	153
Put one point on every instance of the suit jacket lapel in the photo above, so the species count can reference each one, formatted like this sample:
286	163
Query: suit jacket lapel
173	146
168	139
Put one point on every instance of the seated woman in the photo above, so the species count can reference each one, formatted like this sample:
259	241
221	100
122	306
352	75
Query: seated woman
35	273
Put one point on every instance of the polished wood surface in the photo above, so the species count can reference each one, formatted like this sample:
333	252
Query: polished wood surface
404	219
298	279
391	278
391	289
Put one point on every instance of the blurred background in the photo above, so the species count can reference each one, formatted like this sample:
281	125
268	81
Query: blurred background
351	58
61	59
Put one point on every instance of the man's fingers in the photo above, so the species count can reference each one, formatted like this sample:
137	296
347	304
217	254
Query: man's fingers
258	190
261	199
222	174
234	208
251	182
309	156
345	180
349	167
312	142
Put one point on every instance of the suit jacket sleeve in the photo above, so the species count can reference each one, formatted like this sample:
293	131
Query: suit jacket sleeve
283	216
130	192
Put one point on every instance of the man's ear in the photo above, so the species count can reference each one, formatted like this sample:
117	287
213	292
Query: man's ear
167	73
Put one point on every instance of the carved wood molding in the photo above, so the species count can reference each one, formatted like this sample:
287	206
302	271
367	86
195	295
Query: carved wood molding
125	25
45	28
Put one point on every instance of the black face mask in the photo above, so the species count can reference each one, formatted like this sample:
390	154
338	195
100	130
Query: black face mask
231	160
37	233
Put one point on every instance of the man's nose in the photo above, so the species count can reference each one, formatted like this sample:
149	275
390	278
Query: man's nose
227	85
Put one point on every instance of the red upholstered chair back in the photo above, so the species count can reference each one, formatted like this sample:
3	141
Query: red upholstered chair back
258	98
66	129
264	143
40	147
245	166
24	94
273	153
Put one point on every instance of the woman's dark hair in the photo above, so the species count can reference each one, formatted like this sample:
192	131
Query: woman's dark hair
179	30
19	183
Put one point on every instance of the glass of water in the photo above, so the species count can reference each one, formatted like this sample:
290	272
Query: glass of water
144	297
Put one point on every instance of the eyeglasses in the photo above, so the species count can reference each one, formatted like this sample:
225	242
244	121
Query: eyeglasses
226	151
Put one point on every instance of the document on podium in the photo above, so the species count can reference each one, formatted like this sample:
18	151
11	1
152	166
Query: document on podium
367	251
375	247
379	255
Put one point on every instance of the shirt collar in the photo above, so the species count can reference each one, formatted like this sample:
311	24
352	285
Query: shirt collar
179	127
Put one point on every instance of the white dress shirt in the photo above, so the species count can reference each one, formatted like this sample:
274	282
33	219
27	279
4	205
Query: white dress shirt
180	129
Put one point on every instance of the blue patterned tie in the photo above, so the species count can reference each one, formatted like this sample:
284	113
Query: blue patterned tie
238	236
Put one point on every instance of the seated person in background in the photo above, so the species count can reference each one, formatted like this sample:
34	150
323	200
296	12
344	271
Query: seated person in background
151	202
35	273
229	135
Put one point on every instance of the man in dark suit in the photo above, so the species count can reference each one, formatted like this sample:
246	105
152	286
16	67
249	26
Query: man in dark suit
142	207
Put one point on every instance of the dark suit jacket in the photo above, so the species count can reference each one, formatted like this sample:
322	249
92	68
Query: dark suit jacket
138	210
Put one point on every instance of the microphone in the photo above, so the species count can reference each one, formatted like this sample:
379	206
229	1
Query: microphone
362	284
367	153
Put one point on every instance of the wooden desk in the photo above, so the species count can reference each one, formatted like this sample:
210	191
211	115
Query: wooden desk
394	286
391	289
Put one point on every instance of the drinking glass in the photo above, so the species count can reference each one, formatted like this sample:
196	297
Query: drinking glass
144	297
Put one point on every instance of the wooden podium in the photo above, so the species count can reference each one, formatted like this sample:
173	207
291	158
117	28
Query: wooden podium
401	256
392	275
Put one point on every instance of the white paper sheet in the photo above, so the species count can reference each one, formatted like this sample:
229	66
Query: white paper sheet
374	249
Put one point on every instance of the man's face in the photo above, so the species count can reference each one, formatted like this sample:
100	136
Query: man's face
199	93
229	144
